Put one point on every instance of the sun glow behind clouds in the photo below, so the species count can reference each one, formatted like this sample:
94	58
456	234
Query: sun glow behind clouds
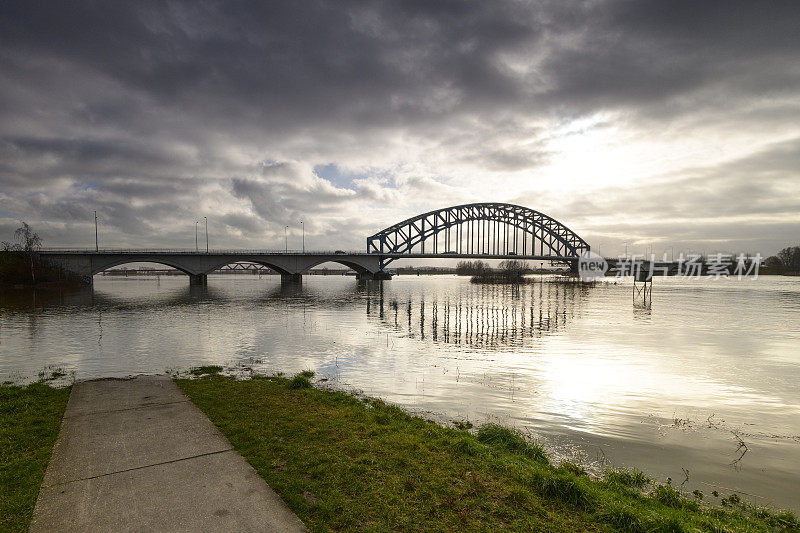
602	151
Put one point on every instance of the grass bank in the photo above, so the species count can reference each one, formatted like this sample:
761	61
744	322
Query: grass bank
342	463
29	421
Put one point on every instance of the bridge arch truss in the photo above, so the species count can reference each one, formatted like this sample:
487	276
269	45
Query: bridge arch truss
490	229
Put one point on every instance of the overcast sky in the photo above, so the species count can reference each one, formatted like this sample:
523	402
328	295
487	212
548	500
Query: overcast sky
671	124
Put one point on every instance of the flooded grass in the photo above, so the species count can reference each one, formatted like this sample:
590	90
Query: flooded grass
205	370
344	463
30	418
300	382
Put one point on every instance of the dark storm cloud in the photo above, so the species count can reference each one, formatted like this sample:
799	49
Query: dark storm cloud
157	113
379	62
339	59
634	54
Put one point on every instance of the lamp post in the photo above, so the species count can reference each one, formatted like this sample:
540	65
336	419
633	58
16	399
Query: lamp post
96	241
206	219
196	247
286	237
304	235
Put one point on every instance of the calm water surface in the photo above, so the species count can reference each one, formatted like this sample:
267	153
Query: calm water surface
703	385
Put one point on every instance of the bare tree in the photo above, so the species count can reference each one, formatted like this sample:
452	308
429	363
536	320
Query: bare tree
28	239
513	269
471	268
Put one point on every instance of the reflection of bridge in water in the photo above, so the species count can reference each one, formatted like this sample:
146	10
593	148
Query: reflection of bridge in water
485	316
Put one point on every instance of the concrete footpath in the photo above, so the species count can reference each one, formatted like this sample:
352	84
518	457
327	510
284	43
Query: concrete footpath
137	455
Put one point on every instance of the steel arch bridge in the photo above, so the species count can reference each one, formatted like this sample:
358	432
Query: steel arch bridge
493	230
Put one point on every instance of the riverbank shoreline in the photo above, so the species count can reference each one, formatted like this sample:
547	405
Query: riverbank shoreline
26	270
46	286
342	461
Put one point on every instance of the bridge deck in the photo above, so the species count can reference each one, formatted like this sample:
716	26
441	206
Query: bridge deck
290	264
315	253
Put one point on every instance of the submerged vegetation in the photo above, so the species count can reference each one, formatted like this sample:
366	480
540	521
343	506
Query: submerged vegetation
205	370
345	463
30	418
508	271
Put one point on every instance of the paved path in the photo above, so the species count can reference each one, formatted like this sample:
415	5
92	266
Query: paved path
137	455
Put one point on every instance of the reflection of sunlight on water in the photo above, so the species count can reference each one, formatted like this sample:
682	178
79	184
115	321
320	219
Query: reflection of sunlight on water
581	366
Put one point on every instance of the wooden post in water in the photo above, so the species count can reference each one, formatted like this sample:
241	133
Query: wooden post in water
643	274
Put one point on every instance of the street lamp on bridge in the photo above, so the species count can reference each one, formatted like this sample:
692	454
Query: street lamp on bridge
196	247
304	235
286	237
206	219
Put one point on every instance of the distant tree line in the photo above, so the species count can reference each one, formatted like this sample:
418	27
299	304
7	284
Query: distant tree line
787	261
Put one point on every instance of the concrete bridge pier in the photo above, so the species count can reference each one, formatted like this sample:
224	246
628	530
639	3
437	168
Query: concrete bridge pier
291	278
198	279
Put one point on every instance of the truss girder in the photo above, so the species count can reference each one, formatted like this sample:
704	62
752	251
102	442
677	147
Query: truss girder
482	224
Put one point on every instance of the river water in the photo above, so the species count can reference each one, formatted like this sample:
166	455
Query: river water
702	387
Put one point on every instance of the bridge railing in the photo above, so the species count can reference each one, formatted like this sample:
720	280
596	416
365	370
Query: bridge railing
192	251
250	252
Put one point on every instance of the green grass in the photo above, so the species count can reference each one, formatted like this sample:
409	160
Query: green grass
511	440
30	418
344	464
299	382
628	478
